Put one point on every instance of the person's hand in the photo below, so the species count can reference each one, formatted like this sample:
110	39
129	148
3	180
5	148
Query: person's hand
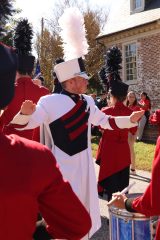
28	107
118	200
41	222
37	82
135	116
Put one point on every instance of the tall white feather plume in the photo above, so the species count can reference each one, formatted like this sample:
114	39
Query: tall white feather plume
73	34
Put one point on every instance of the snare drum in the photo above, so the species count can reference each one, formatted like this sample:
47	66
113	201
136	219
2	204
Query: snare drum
125	225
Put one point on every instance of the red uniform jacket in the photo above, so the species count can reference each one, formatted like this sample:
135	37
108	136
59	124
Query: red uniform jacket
149	203
30	182
134	108
147	103
25	89
114	152
155	119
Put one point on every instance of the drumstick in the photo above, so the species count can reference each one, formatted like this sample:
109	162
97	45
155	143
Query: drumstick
122	192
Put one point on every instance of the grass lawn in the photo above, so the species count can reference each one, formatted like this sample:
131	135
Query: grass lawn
144	153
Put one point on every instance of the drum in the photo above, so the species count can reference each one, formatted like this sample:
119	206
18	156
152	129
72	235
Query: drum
125	225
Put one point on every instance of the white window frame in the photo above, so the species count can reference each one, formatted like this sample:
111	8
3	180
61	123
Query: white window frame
134	9
134	81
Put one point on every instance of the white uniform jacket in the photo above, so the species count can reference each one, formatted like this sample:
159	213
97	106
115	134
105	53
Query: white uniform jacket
77	168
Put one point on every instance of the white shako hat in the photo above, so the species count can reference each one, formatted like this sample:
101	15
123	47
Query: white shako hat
70	69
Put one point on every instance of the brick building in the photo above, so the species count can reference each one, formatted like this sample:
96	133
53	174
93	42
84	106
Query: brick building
135	29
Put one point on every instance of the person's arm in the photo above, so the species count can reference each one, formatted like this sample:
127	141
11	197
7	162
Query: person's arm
144	106
30	115
99	118
148	203
60	207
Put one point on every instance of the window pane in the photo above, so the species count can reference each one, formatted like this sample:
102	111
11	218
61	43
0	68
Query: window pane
130	61
137	3
131	77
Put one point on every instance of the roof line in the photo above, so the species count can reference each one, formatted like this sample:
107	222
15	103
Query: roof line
113	33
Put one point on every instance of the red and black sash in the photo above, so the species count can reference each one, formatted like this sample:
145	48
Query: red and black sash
70	132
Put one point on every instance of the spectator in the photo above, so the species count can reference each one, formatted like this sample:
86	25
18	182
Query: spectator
155	119
133	105
145	104
103	101
41	78
94	96
94	129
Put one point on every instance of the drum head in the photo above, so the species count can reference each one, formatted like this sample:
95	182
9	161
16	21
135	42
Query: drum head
122	213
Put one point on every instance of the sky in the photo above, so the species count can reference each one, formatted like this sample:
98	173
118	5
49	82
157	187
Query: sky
34	10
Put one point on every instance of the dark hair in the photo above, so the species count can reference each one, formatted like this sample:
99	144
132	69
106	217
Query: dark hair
42	80
119	98
24	72
146	95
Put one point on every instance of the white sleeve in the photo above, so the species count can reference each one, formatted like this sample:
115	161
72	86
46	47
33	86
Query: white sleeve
31	121
101	119
124	122
98	118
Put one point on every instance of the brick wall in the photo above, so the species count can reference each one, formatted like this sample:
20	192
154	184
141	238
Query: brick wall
148	66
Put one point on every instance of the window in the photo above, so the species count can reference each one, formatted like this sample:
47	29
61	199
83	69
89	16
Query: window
137	4
130	62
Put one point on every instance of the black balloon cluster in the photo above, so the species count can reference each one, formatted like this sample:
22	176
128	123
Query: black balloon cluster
110	71
102	77
23	37
113	60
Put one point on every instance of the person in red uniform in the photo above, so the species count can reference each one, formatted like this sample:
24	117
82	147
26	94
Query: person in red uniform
24	86
154	119
145	104
148	203
30	180
113	154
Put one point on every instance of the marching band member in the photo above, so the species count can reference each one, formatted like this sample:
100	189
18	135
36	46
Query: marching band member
68	117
